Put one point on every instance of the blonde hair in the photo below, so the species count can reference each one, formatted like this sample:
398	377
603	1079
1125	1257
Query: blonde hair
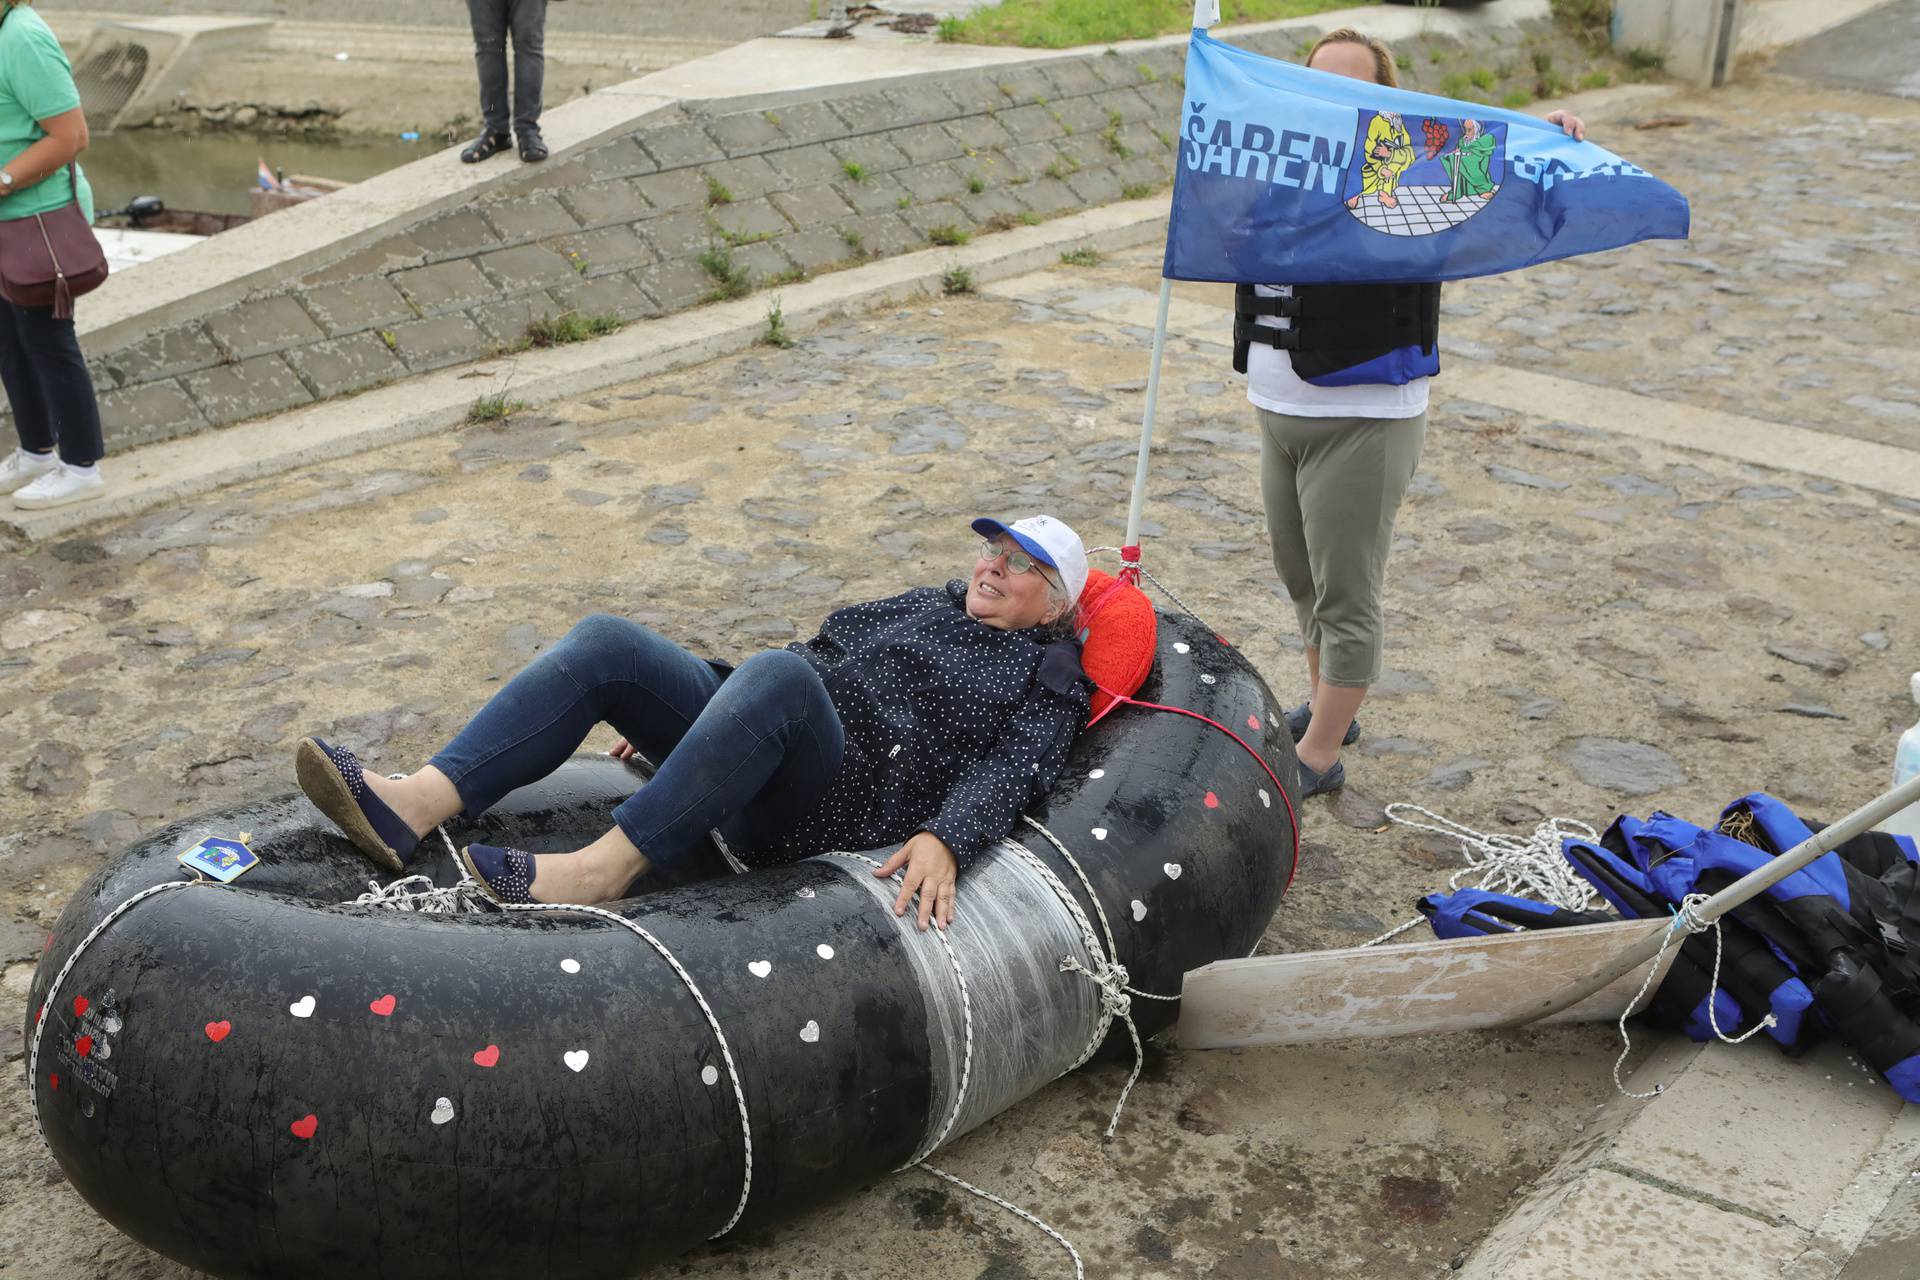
1383	67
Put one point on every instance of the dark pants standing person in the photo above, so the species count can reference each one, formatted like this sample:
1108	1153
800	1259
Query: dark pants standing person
42	129
493	22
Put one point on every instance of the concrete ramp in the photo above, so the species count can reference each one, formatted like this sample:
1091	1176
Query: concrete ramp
129	70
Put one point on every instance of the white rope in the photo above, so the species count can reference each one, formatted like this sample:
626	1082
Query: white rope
48	1006
1079	1268
1685	920
419	893
1529	866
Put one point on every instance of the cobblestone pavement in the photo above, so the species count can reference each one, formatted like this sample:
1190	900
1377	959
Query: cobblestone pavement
1578	624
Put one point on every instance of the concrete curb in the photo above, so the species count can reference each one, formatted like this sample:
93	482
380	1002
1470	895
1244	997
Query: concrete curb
153	475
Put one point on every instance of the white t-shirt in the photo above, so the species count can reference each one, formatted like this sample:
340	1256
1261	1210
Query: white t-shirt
1274	386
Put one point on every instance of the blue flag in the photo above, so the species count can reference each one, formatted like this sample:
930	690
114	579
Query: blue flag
1291	176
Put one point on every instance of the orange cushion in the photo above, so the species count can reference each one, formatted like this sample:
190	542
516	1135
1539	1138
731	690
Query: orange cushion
1118	631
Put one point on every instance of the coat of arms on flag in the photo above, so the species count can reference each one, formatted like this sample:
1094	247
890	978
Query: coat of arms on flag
1392	189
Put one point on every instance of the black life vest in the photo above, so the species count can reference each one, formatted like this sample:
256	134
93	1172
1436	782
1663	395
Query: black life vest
1345	334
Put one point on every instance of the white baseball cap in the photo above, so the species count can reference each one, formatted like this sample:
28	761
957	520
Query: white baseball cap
1051	542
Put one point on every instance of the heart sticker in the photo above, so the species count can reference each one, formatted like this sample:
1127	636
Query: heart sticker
811	1032
709	1074
576	1059
759	968
570	965
1099	833
442	1110
53	1080
383	1006
1181	646
83	1046
304	1127
1139	910
803	893
1207	679
1212	801
486	1057
1098	773
301	1008
1253	723
1172	869
217	1031
80	1005
824	951
1266	801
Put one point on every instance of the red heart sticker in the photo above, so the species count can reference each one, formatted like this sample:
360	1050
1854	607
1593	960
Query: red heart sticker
83	1046
39	1013
383	1006
1212	801
488	1056
304	1127
217	1031
1253	723
53	1079
47	945
80	1005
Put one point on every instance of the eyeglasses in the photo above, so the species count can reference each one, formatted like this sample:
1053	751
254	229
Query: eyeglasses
1018	561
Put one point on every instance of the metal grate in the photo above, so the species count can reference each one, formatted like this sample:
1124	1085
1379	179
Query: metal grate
108	80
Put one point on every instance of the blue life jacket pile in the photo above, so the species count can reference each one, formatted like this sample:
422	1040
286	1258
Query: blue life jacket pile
1833	948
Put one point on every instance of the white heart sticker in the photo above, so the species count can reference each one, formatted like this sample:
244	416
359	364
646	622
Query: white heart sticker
1205	678
301	1008
1098	773
442	1110
824	951
811	1032
709	1074
1139	909
570	965
803	893
576	1059
1181	646
1099	833
1266	801
1172	869
759	968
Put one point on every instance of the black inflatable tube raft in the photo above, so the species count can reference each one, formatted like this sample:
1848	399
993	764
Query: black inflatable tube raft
259	1081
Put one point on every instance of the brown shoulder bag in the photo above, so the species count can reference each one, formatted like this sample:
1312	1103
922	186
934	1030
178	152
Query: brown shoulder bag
49	259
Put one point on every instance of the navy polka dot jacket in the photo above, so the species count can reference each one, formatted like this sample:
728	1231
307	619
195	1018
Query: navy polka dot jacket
952	726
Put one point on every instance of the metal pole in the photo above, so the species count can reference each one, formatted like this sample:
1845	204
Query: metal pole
1146	423
1748	886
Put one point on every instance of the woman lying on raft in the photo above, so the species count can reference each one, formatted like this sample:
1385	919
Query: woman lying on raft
932	717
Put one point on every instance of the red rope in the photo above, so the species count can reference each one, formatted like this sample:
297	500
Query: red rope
1293	819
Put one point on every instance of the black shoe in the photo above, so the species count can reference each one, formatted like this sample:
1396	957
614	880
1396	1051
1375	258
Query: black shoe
532	149
1313	782
1301	716
505	875
332	779
485	146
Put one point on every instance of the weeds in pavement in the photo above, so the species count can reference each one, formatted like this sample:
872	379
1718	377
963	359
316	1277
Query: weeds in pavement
730	278
1084	256
957	280
494	408
776	334
570	326
947	235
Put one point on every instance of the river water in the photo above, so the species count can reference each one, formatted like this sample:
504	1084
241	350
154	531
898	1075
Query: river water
214	171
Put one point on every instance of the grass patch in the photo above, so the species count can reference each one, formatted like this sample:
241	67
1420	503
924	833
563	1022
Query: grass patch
1081	257
853	243
386	336
1644	61
1481	79
1454	84
771	117
1061	24
729	277
1137	190
1028	218
776	334
717	192
948	235
494	408
570	326
1591	21
976	184
1517	98
1598	78
957	280
1061	167
854	169
948	32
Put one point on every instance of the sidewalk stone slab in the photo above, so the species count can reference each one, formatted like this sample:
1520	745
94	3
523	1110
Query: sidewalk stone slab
872	194
925	143
367	303
1046	196
255	328
883	234
390	254
674	189
926	218
874	154
171	351
762	262
150	411
1021	85
1030	160
454	236
1088	150
917	102
248	389
808	166
529	217
1130	103
608	295
932	182
979	133
606	250
676	145
1094	186
524	267
811	206
752	218
1081	115
608	203
683	235
346	364
506	322
745	132
809	122
1031	123
621	158
815	247
675	283
993	203
444	286
1074	76
745	178
445	340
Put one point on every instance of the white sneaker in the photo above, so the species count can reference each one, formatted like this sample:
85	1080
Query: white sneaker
59	486
20	468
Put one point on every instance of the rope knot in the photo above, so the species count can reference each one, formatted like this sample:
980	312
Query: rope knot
1110	977
419	893
1688	916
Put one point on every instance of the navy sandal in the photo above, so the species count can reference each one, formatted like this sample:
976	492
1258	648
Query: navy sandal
532	149
334	781
1301	716
486	146
1313	782
505	875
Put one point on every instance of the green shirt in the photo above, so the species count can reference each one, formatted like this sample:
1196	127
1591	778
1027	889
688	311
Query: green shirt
36	83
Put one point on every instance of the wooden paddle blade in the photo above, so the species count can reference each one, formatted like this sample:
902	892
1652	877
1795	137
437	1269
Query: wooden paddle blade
1455	984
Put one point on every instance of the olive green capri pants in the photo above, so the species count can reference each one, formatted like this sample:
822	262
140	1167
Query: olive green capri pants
1333	487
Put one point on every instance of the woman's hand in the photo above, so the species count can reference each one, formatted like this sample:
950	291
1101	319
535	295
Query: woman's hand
932	871
621	749
1573	125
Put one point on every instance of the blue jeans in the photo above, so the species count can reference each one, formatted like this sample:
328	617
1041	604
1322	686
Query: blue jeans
746	752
